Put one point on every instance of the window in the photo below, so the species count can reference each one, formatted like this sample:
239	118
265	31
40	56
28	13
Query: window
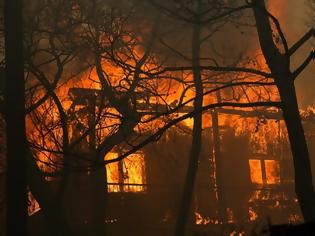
255	172
272	171
264	171
127	175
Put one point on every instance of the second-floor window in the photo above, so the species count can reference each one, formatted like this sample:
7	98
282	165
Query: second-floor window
264	171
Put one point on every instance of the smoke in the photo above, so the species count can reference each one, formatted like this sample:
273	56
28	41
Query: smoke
297	18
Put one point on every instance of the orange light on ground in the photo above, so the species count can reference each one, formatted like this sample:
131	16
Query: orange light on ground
200	220
230	215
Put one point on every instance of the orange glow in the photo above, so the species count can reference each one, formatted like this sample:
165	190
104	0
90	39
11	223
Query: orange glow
252	214
112	173
127	175
33	205
277	8
295	218
272	171
255	171
230	215
134	173
199	220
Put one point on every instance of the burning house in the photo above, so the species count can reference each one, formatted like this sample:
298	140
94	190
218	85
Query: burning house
145	187
116	99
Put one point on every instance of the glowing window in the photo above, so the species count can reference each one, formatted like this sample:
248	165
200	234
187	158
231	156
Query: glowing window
264	171
255	171
272	172
112	174
134	176
127	175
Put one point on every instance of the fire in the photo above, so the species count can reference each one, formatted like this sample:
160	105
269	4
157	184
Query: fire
252	214
272	171
255	171
134	173
127	175
199	220
230	215
295	218
112	173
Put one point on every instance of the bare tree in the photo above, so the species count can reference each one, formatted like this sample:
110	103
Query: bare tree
88	40
279	64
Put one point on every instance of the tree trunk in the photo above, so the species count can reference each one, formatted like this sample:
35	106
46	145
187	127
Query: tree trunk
222	214
47	199
185	205
219	168
15	120
280	69
303	174
97	181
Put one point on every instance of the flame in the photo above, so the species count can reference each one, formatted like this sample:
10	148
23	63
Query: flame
134	173
199	220
112	173
230	215
127	175
252	214
295	218
271	170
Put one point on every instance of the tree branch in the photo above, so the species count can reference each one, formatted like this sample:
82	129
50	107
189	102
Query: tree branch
160	132
306	62
227	13
216	68
179	107
301	41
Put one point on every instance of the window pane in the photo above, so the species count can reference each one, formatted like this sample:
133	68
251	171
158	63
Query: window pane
255	171
112	173
134	172
272	171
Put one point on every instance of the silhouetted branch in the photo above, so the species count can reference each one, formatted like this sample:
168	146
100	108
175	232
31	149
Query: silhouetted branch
227	13
301	41
217	68
228	85
173	122
306	62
